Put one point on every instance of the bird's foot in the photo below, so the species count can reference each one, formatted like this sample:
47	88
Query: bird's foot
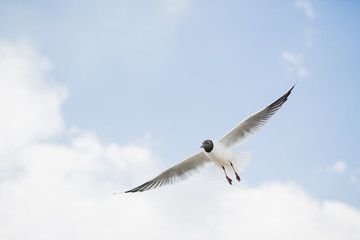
237	177
229	180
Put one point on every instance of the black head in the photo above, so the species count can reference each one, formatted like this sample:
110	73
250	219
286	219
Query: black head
207	145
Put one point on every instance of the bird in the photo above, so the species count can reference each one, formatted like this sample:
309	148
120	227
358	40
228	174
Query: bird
219	151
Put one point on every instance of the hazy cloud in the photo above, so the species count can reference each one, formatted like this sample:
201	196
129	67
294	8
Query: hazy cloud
291	58
307	7
354	179
176	7
295	64
338	167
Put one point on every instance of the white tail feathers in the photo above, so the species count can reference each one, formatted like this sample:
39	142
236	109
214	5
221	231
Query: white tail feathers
240	161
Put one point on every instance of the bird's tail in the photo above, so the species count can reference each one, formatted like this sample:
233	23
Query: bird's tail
240	161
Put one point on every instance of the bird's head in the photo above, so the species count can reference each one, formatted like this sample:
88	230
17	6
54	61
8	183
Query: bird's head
207	145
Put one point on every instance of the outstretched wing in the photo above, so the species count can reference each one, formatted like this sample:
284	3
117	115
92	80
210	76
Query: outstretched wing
178	172
250	126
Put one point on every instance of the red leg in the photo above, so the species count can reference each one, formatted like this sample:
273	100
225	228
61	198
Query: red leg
237	176
229	179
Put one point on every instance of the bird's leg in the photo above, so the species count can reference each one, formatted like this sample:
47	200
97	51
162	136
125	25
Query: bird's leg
229	179
237	176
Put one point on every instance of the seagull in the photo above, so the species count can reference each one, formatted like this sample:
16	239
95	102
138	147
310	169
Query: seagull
218	151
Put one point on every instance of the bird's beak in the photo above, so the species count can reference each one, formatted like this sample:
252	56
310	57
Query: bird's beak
202	146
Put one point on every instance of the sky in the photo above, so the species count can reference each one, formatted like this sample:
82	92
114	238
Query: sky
101	96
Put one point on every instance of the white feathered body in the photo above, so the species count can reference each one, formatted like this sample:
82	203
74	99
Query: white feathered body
222	156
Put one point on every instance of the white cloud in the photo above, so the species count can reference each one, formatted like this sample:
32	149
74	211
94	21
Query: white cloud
301	72
63	191
292	58
30	105
338	167
307	7
295	64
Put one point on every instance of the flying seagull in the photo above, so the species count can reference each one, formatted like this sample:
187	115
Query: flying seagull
218	151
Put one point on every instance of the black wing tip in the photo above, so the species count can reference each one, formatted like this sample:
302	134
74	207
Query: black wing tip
286	95
272	108
140	188
134	190
292	87
146	186
289	91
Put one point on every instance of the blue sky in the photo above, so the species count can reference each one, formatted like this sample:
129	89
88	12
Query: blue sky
155	78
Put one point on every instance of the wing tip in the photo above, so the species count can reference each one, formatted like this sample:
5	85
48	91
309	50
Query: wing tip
292	87
140	188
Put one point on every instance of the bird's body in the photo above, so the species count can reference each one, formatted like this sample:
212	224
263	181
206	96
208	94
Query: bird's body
225	159
220	155
218	151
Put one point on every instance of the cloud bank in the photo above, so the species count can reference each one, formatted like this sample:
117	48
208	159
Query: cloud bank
51	190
